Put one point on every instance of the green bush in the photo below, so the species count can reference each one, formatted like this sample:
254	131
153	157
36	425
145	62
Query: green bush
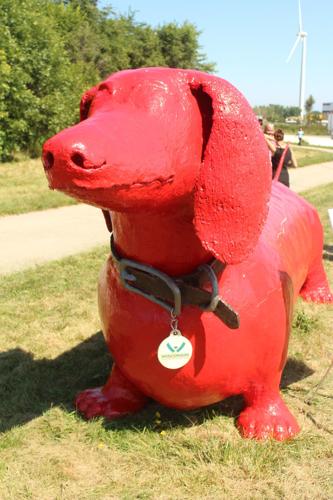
40	86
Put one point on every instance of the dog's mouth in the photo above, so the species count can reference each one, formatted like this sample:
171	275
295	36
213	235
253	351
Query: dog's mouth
113	195
158	181
91	176
118	187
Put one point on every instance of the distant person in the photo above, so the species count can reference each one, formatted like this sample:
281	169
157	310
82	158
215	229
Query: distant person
300	135
260	120
277	152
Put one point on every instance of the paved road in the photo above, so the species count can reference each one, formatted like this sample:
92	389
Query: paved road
37	237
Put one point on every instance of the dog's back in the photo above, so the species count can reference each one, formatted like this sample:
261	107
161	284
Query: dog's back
294	233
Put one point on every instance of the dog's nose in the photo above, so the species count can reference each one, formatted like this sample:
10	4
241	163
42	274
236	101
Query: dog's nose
79	159
47	159
58	152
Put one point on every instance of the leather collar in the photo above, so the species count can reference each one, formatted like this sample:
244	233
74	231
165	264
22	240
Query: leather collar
172	293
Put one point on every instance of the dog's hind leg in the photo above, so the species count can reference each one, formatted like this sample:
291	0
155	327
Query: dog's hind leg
118	397
316	287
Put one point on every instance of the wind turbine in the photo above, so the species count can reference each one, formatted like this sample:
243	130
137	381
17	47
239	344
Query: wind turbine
301	37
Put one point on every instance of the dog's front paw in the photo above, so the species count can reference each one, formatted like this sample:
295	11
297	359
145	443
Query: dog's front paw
94	403
271	421
109	402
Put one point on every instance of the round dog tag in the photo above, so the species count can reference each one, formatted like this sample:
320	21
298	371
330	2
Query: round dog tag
174	351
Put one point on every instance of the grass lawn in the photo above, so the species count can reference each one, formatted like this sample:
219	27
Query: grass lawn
23	185
52	348
24	188
305	156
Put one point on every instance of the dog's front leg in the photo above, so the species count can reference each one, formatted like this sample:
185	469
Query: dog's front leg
118	397
266	415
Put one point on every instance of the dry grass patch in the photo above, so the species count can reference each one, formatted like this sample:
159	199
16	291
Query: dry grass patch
52	348
23	188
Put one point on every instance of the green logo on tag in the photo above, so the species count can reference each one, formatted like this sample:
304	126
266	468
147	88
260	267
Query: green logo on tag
177	349
170	347
181	347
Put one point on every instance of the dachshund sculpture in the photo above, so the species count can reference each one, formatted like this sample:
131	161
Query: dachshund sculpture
202	240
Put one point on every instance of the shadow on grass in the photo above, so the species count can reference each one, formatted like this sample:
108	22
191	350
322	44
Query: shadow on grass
30	387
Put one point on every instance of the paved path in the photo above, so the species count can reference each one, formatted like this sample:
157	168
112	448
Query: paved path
313	140
37	237
312	176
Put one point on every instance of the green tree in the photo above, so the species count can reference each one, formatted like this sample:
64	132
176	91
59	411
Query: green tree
40	86
52	50
309	104
308	107
180	47
276	112
292	111
127	44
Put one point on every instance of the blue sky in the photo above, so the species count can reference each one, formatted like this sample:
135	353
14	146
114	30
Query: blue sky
250	42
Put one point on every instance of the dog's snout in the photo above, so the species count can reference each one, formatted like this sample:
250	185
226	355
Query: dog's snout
64	151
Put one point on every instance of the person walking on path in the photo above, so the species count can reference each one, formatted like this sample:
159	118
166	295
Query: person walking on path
300	135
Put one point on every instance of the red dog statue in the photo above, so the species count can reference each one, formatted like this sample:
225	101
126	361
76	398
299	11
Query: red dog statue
202	241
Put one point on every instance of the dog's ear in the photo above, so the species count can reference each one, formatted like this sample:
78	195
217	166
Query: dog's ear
234	181
86	101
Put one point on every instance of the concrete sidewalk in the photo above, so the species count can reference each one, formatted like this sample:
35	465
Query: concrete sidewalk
37	237
311	176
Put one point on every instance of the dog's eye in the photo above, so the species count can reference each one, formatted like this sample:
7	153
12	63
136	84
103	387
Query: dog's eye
84	108
105	86
86	101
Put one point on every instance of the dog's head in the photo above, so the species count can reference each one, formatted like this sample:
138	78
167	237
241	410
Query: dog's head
153	138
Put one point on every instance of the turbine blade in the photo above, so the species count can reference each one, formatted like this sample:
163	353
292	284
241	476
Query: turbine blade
293	49
300	16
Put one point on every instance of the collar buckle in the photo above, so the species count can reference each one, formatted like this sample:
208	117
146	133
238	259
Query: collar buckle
126	278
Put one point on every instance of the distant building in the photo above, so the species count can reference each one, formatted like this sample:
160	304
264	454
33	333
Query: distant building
328	112
292	119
